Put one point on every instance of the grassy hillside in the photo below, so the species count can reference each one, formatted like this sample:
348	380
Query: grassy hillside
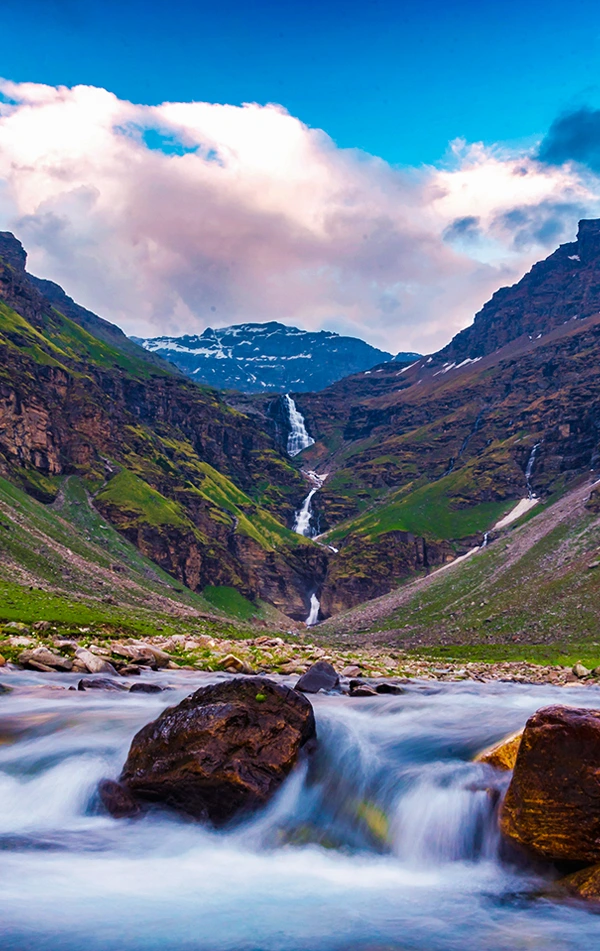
532	594
65	563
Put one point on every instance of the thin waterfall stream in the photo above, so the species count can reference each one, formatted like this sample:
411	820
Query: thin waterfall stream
387	839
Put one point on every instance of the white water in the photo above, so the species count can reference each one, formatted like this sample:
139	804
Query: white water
298	438
308	874
315	607
529	471
304	514
302	521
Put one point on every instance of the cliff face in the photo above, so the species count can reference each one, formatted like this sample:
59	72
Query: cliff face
440	449
565	286
205	493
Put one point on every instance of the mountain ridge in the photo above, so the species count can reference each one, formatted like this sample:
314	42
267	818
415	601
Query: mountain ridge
267	357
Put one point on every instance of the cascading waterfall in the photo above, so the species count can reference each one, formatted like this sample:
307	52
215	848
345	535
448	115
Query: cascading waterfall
304	514
529	471
315	607
298	438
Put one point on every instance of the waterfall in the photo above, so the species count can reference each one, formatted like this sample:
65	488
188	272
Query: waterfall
486	538
529	471
303	516
298	438
315	607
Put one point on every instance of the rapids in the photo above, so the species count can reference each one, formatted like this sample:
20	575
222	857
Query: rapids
386	842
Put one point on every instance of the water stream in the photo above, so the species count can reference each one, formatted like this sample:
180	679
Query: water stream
529	471
386	843
298	438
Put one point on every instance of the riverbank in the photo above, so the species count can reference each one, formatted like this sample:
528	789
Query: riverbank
46	647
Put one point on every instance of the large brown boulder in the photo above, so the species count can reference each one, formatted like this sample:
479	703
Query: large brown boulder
552	807
223	750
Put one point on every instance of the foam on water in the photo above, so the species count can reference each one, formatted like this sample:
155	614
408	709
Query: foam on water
386	840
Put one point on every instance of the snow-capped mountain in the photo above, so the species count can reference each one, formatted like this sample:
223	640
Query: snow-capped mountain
256	358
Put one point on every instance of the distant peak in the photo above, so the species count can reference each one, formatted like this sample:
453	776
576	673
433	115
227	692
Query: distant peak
12	251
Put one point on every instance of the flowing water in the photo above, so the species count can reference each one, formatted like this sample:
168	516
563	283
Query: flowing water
386	842
298	438
529	471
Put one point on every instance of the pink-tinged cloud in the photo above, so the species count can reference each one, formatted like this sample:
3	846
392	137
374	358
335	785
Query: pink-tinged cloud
247	214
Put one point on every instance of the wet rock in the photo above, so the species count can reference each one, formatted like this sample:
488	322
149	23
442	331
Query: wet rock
117	800
92	662
584	884
321	676
2	661
580	671
222	751
43	658
502	755
100	683
143	687
389	688
363	690
552	804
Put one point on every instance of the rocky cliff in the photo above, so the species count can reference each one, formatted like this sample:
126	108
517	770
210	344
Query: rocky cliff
196	485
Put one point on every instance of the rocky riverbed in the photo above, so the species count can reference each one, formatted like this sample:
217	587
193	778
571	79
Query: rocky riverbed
46	647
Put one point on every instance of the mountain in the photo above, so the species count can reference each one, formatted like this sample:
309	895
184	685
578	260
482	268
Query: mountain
194	485
258	358
423	460
411	464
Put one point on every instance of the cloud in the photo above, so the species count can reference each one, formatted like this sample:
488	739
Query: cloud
172	218
573	137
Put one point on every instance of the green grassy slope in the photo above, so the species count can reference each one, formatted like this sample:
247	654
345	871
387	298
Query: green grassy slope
64	563
531	595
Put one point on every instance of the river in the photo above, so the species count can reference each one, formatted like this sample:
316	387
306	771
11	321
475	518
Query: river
322	869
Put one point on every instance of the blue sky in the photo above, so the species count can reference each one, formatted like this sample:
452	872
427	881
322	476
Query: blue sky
394	164
397	79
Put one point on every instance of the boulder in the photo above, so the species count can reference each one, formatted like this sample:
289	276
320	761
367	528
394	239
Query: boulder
142	687
100	683
222	751
117	800
233	664
16	627
385	687
321	676
502	755
92	662
351	671
41	658
363	690
2	660
552	807
580	671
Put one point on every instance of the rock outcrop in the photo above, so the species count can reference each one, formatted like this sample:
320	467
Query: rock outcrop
221	752
552	807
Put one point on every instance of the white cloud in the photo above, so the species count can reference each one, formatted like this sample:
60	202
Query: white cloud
262	218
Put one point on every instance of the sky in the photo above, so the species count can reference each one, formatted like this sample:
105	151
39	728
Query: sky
375	168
